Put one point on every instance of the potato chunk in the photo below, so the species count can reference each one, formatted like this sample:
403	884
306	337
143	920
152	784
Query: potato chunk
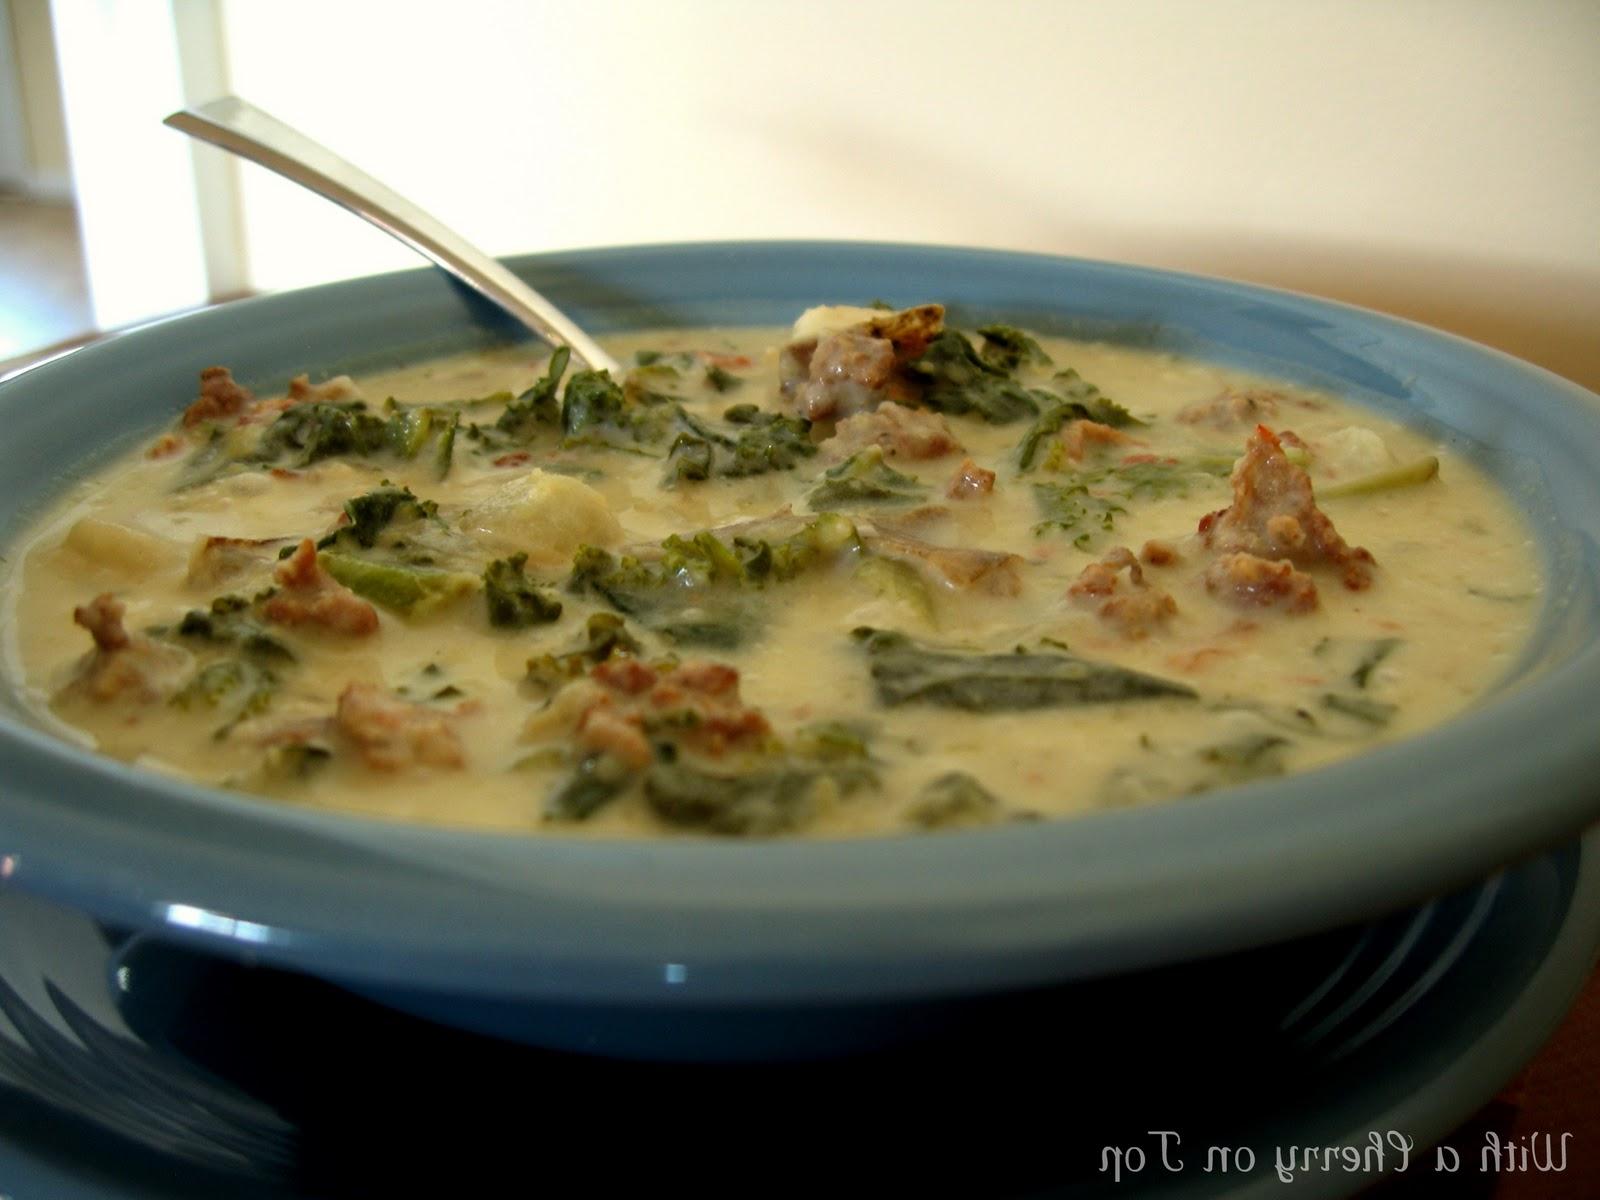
120	548
549	516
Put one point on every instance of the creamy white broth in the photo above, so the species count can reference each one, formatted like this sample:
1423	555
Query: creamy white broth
1453	594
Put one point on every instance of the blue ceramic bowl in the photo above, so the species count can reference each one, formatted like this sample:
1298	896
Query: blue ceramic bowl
688	947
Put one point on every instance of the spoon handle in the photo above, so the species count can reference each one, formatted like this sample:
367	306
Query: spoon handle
243	129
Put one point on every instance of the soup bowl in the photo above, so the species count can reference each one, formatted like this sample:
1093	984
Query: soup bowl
690	946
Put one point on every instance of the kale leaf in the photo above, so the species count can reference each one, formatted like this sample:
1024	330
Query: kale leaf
758	442
864	478
955	800
1008	348
537	409
514	602
605	635
414	591
595	411
958	380
372	513
1073	398
239	684
307	433
596	780
1073	509
694	592
1362	708
410	430
904	672
229	622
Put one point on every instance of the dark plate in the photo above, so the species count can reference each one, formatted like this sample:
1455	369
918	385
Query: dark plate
139	1069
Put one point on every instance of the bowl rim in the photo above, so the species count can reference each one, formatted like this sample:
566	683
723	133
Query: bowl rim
697	922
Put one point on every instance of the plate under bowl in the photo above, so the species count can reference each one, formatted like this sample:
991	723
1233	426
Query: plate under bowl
703	925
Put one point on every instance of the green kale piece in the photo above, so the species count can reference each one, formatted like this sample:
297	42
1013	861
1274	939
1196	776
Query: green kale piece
765	801
769	442
832	741
689	595
594	782
1406	475
665	358
720	380
245	687
414	591
1367	654
957	380
1159	478
656	383
1163	773
307	433
295	761
691	459
372	513
229	622
864	478
207	462
514	602
605	635
537	409
904	672
411	429
597	412
954	800
1074	389
1072	398
695	592
1073	509
771	792
1008	348
1362	708
592	401
1241	759
759	442
1380	649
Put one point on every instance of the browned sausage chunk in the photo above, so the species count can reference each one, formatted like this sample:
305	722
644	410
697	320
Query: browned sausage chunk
391	734
1274	516
123	666
1135	610
696	704
1247	581
1229	409
970	482
311	596
902	432
219	397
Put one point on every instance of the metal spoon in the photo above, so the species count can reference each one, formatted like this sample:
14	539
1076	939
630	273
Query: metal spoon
241	128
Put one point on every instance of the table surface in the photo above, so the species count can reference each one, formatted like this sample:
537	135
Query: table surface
1557	1093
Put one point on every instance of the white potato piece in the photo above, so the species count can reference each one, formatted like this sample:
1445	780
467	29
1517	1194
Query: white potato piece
128	551
1353	450
832	318
546	515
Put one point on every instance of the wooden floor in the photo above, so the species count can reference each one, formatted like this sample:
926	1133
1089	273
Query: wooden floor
43	297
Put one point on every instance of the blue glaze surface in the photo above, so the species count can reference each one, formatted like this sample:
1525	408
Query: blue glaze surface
564	921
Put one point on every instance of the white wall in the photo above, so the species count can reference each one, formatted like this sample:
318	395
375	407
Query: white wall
1437	159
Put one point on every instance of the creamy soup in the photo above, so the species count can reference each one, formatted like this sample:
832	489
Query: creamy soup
870	575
